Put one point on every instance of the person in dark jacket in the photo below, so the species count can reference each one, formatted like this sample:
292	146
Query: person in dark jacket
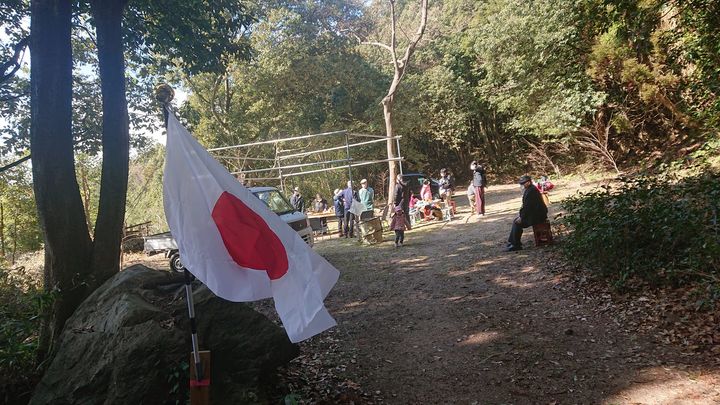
297	200
479	183
339	204
349	195
533	212
402	197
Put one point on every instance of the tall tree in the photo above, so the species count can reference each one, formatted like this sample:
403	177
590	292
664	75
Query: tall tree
107	15
57	195
400	66
75	264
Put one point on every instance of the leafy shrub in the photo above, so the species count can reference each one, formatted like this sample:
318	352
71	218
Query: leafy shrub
659	229
21	300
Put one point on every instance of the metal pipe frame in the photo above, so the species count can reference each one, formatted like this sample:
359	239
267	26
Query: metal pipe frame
344	167
280	168
302	154
276	141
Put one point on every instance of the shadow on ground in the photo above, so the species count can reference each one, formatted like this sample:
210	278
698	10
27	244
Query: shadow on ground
452	318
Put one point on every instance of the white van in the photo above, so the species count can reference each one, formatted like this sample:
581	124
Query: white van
276	201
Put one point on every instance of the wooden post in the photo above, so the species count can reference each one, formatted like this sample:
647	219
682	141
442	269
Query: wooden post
200	390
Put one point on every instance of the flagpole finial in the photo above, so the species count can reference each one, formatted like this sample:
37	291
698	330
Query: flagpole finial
164	93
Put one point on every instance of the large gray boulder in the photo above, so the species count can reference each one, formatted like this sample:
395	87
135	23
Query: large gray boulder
129	343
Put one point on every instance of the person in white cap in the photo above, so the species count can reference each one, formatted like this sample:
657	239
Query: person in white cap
297	200
366	194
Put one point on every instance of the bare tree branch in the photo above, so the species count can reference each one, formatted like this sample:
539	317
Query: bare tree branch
380	44
88	32
15	97
393	40
9	68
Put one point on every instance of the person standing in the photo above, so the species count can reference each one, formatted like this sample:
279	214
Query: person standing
533	212
447	184
349	195
297	200
319	203
402	197
339	205
471	195
399	224
367	195
479	183
426	191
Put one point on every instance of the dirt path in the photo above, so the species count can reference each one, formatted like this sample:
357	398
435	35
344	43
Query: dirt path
452	318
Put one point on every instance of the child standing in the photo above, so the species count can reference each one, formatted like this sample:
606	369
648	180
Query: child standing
399	225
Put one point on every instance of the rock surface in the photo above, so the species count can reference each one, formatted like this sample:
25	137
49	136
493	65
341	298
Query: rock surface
129	343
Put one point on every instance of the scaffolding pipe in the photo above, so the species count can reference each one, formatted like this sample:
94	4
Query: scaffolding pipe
397	141
343	167
280	168
257	178
280	173
347	152
371	136
276	141
244	158
302	154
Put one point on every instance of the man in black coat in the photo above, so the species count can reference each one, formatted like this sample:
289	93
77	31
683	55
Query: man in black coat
533	212
402	197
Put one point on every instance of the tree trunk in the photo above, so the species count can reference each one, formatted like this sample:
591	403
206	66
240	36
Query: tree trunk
387	113
14	234
86	196
399	65
57	195
115	139
2	231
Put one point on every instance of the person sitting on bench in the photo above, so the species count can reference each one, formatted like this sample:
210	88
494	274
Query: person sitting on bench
533	212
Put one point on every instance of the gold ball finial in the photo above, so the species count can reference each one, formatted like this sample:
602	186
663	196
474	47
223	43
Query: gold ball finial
164	93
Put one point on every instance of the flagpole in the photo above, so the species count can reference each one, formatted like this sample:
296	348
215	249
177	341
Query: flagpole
193	325
199	393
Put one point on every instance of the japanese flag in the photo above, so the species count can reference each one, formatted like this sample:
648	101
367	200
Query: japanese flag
232	242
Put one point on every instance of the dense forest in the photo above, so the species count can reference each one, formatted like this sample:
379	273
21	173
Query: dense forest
541	87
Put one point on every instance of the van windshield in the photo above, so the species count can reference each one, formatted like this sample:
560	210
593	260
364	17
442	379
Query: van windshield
275	201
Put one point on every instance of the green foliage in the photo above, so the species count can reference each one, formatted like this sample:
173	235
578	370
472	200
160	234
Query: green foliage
19	229
304	78
661	229
177	378
532	55
144	195
21	303
292	399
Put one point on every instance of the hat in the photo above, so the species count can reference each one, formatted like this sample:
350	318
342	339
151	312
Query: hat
398	208
524	179
296	189
363	181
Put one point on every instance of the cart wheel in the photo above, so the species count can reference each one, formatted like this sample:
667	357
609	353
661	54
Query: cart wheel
176	264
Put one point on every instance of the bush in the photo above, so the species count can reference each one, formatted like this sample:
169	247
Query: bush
658	229
21	300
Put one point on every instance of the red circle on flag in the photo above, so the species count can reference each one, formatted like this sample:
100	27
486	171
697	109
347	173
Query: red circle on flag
247	237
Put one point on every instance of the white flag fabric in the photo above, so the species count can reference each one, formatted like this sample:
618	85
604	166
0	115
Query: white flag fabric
234	244
357	208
